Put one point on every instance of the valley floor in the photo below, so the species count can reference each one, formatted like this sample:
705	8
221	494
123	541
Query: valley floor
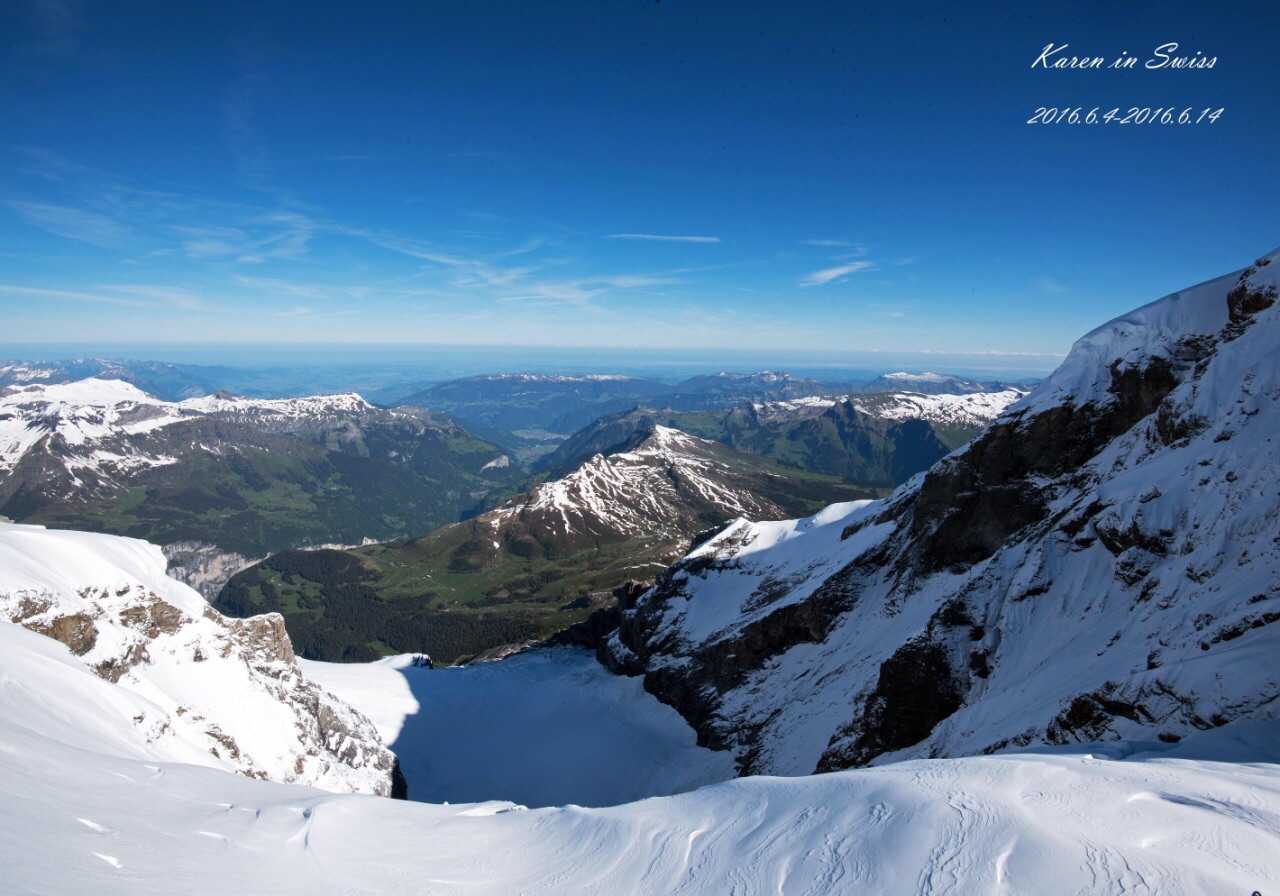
87	810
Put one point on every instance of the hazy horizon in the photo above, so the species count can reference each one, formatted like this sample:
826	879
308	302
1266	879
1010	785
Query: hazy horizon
453	361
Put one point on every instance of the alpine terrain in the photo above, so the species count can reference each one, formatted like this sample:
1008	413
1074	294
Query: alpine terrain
1054	649
1100	564
193	685
877	441
532	566
220	475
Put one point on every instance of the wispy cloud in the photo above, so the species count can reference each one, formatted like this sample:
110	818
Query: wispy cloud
638	281
288	234
256	238
842	244
164	295
73	223
827	275
663	238
511	283
1049	285
281	287
35	292
129	295
562	293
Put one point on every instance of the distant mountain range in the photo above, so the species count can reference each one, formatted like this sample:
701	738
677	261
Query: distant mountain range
251	476
532	404
171	382
876	440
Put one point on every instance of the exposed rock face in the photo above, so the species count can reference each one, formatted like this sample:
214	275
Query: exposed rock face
205	567
231	686
1099	564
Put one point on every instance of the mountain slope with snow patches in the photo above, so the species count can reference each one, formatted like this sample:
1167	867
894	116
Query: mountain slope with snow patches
211	690
877	440
534	566
88	807
247	476
1100	563
667	476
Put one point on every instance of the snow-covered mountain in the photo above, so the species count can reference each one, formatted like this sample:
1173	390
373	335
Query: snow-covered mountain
1101	563
204	689
972	409
969	409
248	476
93	426
878	440
666	479
89	808
935	384
173	382
533	566
547	404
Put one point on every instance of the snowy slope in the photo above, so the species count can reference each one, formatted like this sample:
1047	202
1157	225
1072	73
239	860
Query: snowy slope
94	420
658	484
216	691
975	409
972	409
1101	563
563	708
87	808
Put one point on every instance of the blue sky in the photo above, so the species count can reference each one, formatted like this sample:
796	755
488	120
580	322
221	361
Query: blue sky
689	175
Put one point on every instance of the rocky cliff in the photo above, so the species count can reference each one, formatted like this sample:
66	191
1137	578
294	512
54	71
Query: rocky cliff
1101	563
230	688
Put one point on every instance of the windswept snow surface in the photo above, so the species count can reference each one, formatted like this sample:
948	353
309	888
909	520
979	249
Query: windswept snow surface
86	809
542	728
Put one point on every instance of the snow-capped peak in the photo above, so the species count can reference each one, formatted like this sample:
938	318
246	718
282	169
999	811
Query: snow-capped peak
95	419
1098	564
1170	329
645	489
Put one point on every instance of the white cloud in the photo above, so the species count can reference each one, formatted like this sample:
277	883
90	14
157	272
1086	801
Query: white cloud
663	238
844	244
1049	285
637	281
73	223
826	275
36	292
167	295
281	287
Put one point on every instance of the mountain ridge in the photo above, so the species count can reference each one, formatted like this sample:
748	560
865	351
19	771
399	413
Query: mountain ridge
247	475
1116	494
